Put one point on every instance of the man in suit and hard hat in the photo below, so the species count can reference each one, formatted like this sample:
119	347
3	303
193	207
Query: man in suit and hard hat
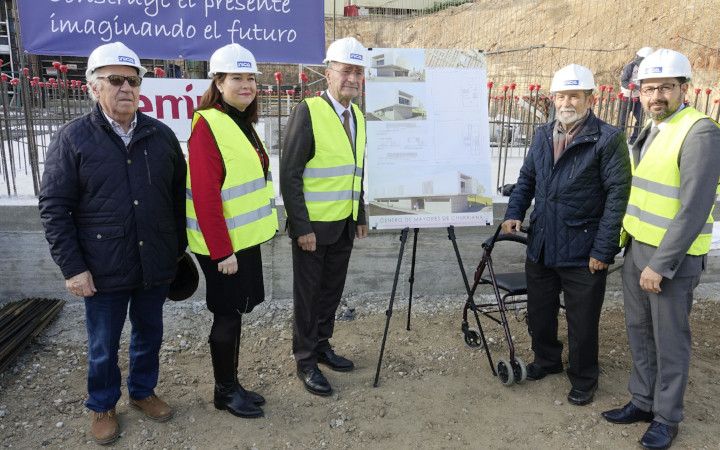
668	229
321	175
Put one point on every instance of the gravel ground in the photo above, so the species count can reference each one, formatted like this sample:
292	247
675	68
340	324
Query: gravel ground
434	392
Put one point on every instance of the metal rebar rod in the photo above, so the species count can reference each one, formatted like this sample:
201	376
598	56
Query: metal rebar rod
707	101
510	134
502	136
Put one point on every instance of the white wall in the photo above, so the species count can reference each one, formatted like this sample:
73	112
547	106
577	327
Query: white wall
438	207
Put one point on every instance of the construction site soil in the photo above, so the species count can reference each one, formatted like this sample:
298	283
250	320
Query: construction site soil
435	392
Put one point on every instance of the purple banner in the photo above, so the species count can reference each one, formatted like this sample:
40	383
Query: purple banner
283	31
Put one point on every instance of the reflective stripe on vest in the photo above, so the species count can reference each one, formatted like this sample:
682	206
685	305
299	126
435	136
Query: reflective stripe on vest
655	193
332	180
248	199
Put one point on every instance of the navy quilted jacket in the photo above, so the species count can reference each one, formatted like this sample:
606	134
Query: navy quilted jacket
580	202
118	212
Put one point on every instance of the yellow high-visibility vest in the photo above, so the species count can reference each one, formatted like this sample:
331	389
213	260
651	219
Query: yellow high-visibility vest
248	199
655	193
332	180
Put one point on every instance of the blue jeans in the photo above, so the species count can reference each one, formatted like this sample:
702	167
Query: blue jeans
104	318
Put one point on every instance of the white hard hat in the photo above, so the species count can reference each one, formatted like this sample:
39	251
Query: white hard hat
572	78
115	54
664	63
644	52
232	58
347	50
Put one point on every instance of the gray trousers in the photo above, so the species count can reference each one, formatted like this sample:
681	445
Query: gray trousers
658	329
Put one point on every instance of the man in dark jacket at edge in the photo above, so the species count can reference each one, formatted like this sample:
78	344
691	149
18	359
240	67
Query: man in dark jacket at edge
112	203
578	171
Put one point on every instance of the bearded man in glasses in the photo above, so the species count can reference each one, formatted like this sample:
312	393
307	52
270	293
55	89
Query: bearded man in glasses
668	228
112	203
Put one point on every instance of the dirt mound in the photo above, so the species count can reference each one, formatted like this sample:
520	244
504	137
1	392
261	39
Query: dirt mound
526	40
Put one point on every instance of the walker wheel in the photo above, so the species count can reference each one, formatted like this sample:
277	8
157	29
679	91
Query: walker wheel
472	339
519	370
505	372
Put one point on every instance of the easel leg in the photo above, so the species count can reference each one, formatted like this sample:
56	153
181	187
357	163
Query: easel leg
388	312
451	236
412	276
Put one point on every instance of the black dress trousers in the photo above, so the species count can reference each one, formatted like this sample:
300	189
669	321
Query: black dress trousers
318	283
584	293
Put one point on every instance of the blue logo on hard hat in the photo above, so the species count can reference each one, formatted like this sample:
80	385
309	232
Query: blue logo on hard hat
572	83
654	70
244	64
357	56
126	59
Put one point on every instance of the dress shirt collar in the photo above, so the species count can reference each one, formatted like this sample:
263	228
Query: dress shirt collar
118	129
339	108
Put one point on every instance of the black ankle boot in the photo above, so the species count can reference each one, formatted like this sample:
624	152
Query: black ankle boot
229	395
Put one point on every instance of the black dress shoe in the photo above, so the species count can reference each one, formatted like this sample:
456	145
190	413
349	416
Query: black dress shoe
627	414
537	372
659	436
314	381
334	361
232	397
579	397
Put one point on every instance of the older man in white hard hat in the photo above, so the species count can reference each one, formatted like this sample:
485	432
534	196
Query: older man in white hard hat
112	203
668	225
628	79
321	177
578	172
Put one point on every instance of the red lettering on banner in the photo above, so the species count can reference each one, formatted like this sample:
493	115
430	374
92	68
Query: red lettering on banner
145	104
159	107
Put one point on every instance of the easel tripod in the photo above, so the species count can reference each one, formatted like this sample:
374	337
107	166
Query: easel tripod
388	313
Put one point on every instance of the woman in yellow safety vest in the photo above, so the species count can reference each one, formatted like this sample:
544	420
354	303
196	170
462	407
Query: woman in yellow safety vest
230	212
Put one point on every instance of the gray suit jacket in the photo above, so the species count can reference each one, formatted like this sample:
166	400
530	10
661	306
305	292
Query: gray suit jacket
699	162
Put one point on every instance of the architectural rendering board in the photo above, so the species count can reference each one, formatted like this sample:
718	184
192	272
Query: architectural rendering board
428	162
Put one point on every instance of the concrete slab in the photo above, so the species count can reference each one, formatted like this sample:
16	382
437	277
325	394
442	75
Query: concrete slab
27	270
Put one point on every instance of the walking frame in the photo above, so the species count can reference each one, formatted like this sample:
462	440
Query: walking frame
512	369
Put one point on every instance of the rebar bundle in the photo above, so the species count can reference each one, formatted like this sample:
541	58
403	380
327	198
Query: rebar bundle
21	322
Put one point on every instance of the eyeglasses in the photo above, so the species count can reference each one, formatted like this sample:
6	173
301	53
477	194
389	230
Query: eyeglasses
662	89
348	72
119	80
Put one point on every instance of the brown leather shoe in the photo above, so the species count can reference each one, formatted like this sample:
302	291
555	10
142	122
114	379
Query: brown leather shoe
104	427
153	407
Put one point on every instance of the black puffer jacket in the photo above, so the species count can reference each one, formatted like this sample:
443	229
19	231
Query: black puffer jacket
118	212
580	202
